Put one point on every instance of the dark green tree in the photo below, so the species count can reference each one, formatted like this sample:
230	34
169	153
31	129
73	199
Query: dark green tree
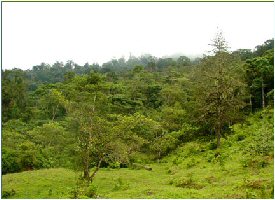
219	88
14	95
260	77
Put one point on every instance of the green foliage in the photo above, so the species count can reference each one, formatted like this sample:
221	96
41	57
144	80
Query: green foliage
28	158
128	113
219	88
196	174
52	139
240	137
10	161
186	182
92	191
212	146
14	95
183	61
255	162
259	77
53	103
17	125
35	148
153	96
83	191
257	133
244	54
261	49
8	194
94	78
68	76
120	185
173	118
139	157
162	145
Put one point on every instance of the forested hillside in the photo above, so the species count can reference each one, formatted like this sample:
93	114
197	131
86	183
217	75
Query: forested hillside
183	123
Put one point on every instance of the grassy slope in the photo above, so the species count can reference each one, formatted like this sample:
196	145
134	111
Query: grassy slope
192	171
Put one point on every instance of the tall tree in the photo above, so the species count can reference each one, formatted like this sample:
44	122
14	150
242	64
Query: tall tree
260	76
219	88
14	95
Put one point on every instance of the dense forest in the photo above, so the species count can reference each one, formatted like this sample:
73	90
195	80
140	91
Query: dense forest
140	111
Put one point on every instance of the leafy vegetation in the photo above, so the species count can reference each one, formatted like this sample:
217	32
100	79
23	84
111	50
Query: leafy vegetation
193	170
144	127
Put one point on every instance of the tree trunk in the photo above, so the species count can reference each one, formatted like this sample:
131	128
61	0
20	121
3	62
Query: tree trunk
250	103
86	166
54	112
159	156
96	170
218	134
263	99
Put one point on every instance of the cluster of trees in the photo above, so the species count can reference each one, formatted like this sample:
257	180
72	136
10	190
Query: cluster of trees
128	111
58	72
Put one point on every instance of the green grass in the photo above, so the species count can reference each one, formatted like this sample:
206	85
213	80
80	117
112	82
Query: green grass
191	171
203	180
45	183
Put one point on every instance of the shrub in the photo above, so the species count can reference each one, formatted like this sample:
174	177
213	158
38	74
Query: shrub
255	184
212	146
173	170
136	166
8	194
91	191
10	161
82	190
185	182
240	137
177	160
258	134
28	155
114	165
163	145
191	163
120	185
255	162
193	148
138	157
211	179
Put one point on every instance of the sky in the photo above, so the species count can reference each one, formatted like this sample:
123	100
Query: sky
95	32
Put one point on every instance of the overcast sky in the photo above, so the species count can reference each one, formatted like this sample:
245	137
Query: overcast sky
97	32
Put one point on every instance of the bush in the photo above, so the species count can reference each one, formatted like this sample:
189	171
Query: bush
10	161
240	137
8	194
82	190
91	191
185	182
163	145
255	162
177	160
120	185
191	163
28	155
138	157
172	170
258	133
136	166
212	146
210	157
114	165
